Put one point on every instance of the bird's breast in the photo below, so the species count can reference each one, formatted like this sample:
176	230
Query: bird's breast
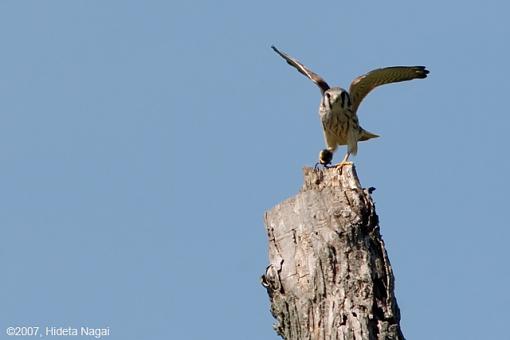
337	114
338	122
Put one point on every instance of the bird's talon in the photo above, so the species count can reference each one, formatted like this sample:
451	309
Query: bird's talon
341	164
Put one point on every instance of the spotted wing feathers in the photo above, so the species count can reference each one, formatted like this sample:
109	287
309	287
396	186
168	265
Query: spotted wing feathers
362	85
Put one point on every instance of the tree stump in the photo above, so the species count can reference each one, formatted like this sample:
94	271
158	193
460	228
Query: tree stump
329	275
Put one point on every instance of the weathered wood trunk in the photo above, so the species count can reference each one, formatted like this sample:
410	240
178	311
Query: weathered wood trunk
329	275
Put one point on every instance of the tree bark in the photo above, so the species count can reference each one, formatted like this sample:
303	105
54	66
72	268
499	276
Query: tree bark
329	275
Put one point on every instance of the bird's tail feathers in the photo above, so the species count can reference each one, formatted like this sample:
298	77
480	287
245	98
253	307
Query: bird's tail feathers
365	135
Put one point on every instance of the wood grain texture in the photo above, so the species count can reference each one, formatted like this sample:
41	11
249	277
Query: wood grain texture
329	275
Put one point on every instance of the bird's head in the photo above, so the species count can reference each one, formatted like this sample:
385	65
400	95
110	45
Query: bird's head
336	97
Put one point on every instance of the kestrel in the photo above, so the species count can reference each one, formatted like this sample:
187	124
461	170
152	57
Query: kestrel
338	107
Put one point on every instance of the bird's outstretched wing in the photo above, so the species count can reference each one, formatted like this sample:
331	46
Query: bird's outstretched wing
362	85
302	69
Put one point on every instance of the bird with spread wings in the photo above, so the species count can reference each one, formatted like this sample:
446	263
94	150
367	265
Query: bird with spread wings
338	107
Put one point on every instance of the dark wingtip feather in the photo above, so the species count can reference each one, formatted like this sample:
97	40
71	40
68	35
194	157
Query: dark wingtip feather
422	71
280	53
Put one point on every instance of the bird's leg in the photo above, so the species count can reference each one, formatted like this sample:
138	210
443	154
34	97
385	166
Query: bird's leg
344	161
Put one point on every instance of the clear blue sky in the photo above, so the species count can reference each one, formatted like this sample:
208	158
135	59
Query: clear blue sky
141	143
